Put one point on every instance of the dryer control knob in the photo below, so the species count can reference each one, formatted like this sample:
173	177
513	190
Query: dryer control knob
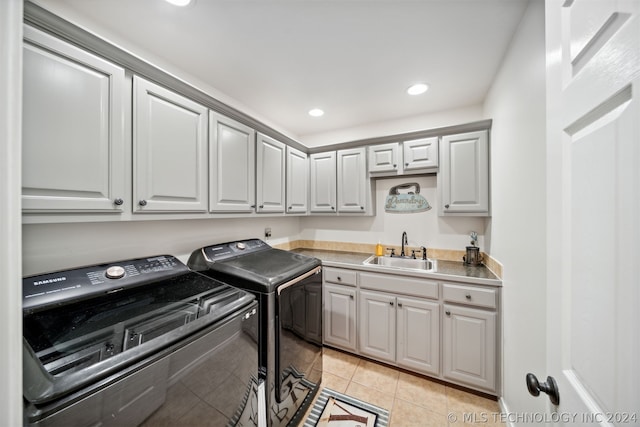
241	246
115	272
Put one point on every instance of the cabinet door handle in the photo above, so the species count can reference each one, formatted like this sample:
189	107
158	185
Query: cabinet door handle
399	305
446	206
118	201
406	164
448	313
391	303
351	296
142	202
395	166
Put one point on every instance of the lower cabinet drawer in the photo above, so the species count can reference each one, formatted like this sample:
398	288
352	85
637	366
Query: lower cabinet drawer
400	285
339	276
470	295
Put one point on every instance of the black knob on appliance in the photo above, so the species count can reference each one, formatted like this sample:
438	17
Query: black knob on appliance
142	202
550	387
118	201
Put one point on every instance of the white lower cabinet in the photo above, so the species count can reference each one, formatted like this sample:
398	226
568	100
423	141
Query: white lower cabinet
339	320
469	346
444	330
401	330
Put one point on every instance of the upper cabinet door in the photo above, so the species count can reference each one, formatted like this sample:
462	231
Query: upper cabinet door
170	151
73	156
385	158
270	170
323	182
463	180
232	152
297	179
352	180
420	154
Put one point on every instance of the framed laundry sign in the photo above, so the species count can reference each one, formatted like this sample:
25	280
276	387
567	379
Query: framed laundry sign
409	202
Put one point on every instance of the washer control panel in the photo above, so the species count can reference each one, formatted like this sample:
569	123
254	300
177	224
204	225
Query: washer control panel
64	286
231	249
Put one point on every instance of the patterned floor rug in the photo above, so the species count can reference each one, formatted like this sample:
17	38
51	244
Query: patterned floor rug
333	409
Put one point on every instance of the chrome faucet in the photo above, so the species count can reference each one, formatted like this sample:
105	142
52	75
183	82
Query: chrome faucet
404	242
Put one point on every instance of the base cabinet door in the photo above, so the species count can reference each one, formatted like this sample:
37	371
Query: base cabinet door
340	316
418	335
469	340
377	325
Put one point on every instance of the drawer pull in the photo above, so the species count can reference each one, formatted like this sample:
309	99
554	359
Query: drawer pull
339	279
468	296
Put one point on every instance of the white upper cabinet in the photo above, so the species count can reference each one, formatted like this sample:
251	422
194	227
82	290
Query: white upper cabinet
463	179
352	180
420	154
270	172
409	157
232	163
297	181
73	149
323	182
170	150
385	158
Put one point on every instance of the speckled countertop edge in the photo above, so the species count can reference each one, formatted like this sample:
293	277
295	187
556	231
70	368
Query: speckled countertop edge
450	271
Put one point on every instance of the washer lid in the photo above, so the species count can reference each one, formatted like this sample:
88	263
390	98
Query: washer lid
258	267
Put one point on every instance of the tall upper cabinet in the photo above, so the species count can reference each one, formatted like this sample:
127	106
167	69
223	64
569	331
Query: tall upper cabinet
270	173
297	181
73	129
353	183
170	150
322	192
232	160
463	179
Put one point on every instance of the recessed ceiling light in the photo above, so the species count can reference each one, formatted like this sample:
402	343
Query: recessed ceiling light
179	2
417	89
316	112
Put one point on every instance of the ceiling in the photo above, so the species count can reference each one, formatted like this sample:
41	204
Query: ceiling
352	58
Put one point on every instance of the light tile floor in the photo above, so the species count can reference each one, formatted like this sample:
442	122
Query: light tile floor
412	400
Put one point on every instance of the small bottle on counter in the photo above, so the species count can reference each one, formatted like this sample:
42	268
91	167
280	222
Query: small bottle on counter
379	250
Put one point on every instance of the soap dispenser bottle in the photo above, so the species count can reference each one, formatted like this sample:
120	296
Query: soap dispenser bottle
379	250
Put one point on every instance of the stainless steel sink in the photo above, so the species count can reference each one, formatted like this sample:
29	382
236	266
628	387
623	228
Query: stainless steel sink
401	262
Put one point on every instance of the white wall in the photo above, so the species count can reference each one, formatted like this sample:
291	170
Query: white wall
49	247
423	228
516	103
393	127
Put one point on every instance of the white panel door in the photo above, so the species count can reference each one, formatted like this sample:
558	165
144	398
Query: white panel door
297	179
420	154
469	346
270	173
322	170
170	150
352	180
377	325
232	160
593	181
340	316
384	158
418	335
463	179
73	147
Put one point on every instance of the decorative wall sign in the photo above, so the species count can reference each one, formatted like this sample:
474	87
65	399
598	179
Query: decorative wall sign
409	202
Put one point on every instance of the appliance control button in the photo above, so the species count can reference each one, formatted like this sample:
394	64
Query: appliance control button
115	272
241	246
